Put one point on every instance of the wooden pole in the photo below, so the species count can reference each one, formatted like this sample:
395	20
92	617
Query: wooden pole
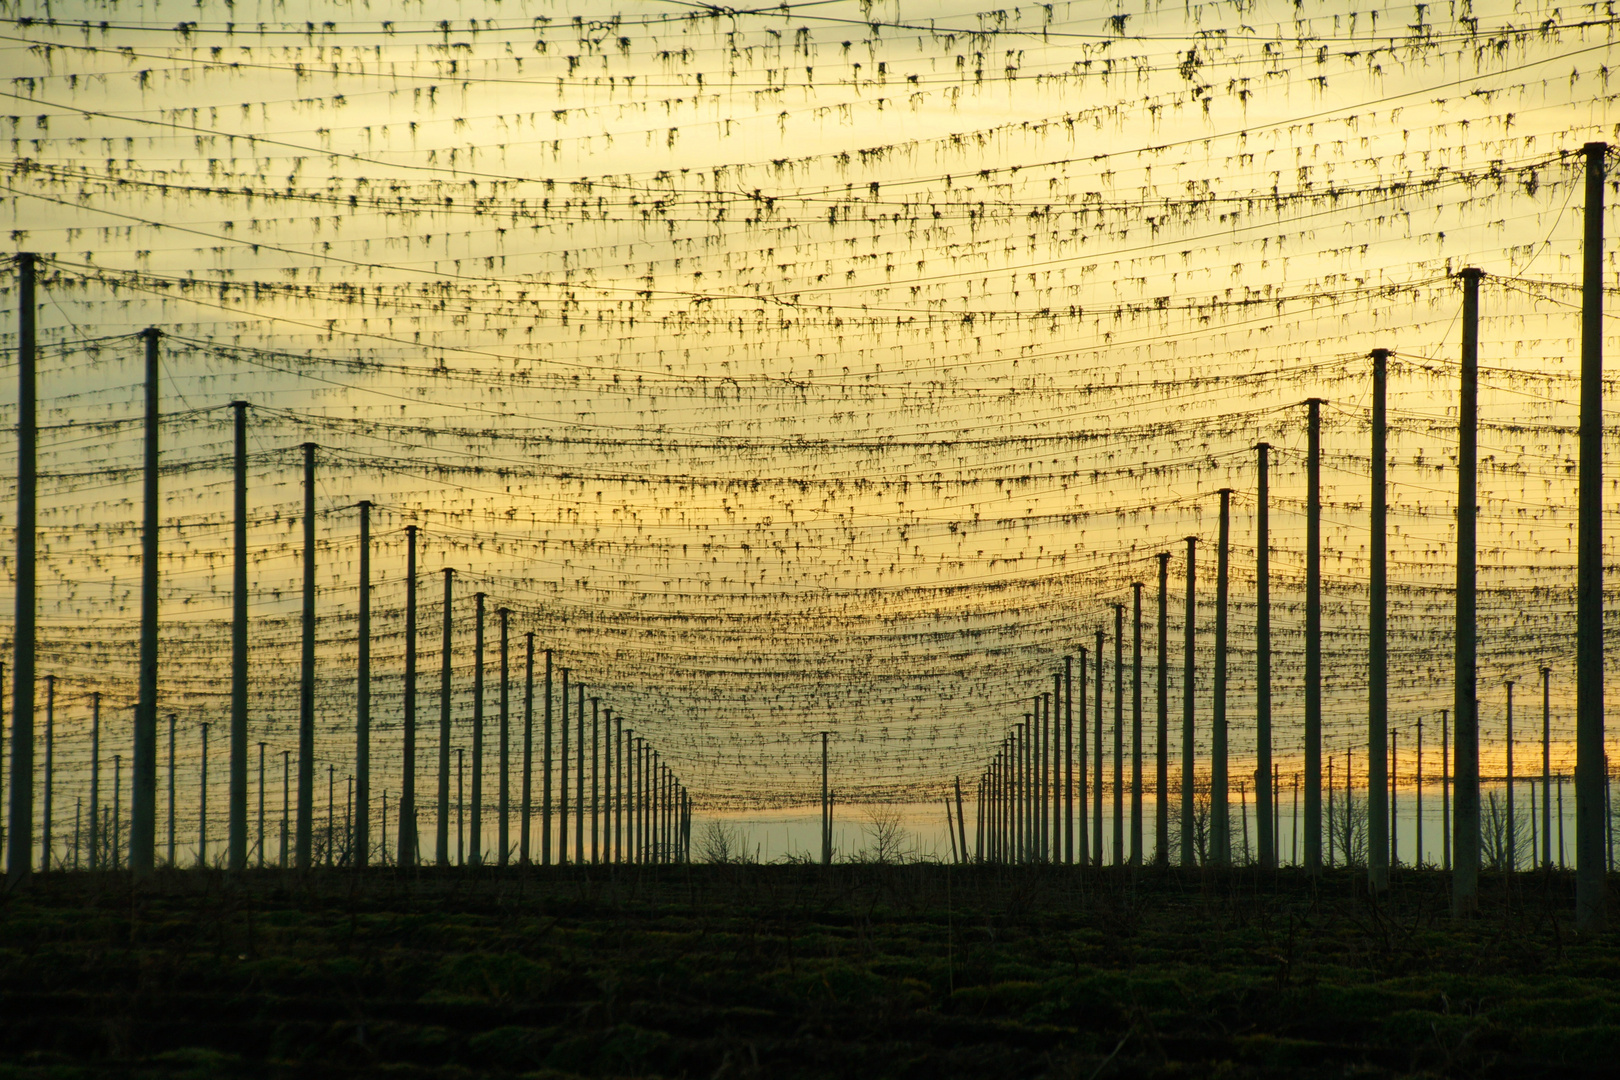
475	838
1161	814
1591	770
545	773
1512	861
1097	763
24	569
45	830
1313	638
202	805
172	862
1068	757
1136	724
405	855
143	767
1262	656
304	841
1465	822
441	832
362	727
1119	735
528	747
1378	642
95	781
1188	774
503	799
1220	822
1083	834
1546	767
237	854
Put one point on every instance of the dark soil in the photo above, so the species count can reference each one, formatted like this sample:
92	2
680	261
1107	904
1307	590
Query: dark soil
794	971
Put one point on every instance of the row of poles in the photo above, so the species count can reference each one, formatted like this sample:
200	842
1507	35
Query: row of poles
1033	796
1018	785
638	809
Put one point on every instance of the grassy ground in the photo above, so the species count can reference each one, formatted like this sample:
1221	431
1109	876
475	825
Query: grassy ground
789	971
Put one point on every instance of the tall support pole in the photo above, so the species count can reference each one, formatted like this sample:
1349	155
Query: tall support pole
1136	726
45	830
261	806
1161	776
362	725
304	841
1068	757
202	805
1512	860
143	771
503	796
171	861
1313	638
237	855
19	862
1262	657
1097	762
1591	770
1417	795
545	772
1189	640
1465	819
618	789
1043	772
579	782
1546	768
826	819
1055	844
562	777
406	852
1220	821
1119	734
95	781
1083	833
475	835
596	780
609	755
528	748
441	833
1445	792
1378	641
286	801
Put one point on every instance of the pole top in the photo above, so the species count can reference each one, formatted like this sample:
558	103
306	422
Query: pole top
240	404
309	447
1224	492
1590	148
1471	274
151	333
364	504
447	569
411	528
1546	671
1381	354
1163	556
1137	585
1191	540
1262	446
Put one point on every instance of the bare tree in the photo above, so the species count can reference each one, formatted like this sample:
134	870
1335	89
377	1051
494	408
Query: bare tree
887	842
721	844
